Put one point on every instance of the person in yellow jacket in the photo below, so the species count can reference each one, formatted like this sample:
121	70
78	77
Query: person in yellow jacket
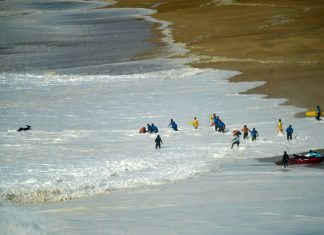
195	123
279	127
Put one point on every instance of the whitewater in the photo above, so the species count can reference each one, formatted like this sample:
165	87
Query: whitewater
84	148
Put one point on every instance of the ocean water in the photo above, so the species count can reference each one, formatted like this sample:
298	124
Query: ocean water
67	70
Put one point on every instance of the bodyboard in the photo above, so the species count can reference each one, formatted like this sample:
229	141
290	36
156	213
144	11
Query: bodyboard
312	114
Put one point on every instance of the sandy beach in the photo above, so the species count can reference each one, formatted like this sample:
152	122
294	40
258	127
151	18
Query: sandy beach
280	42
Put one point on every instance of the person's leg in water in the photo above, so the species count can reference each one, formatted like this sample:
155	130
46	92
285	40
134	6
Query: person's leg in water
318	116
237	143
245	135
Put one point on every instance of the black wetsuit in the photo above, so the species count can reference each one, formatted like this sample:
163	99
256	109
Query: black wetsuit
285	160
158	142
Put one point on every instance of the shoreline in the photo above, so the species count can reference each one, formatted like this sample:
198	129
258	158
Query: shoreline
279	43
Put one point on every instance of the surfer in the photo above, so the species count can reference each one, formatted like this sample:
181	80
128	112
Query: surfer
149	128
154	129
279	127
318	113
195	123
236	140
254	134
216	121
158	142
245	131
289	132
221	126
27	128
285	159
173	125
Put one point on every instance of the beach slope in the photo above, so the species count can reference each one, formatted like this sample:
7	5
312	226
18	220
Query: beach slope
280	42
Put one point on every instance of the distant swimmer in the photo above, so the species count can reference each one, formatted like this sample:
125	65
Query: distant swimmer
195	123
236	141
158	142
279	127
245	131
254	134
27	128
318	113
289	132
173	125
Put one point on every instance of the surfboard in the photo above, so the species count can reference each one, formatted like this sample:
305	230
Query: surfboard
313	114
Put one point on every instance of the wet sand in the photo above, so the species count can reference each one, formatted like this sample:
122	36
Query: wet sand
280	42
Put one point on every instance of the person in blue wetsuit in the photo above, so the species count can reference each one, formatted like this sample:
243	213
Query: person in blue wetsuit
173	125
289	132
154	129
221	126
216	121
254	134
318	113
149	128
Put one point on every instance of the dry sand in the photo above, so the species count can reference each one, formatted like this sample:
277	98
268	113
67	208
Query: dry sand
280	42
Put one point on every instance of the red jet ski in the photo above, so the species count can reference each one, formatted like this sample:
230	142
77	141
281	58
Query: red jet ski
305	160
310	158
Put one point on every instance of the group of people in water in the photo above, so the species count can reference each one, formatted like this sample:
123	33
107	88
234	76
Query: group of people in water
220	126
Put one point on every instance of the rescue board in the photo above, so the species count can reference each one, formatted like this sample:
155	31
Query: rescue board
313	114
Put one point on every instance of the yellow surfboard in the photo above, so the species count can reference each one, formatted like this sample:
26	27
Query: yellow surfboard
313	114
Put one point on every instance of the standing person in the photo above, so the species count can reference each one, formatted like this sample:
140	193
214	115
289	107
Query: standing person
236	140
285	159
158	142
173	125
279	127
245	131
289	132
318	113
254	134
195	123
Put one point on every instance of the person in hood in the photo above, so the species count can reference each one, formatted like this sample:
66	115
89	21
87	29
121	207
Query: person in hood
279	127
318	113
154	128
173	125
285	159
158	142
254	134
195	123
289	132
